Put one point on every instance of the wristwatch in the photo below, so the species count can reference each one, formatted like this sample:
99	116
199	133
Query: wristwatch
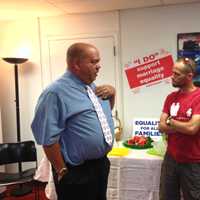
168	121
61	173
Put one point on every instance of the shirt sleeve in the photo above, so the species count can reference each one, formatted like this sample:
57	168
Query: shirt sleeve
167	104
196	107
48	123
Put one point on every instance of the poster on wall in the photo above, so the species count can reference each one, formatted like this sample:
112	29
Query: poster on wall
150	69
188	45
146	127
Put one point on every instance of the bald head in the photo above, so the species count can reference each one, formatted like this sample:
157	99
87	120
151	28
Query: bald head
183	73
83	61
78	51
188	65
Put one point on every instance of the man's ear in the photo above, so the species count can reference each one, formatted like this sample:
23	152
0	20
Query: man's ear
190	76
75	65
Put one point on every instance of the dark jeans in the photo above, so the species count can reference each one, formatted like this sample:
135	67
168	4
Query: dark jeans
87	181
179	176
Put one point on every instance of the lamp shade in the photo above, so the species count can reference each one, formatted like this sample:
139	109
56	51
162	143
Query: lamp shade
15	60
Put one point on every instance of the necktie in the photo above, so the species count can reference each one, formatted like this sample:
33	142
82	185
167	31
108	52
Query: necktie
101	116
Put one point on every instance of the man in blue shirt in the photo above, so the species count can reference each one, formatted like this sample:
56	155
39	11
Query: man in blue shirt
66	124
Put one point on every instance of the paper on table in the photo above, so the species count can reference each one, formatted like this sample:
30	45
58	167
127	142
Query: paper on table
159	147
118	151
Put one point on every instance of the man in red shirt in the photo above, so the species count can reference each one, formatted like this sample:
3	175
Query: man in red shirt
180	120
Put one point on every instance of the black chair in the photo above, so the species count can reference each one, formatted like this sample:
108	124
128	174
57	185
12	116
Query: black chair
20	153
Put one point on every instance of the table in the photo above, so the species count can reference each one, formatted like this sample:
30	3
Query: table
134	177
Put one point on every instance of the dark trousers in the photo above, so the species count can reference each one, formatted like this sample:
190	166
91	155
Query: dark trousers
87	181
179	176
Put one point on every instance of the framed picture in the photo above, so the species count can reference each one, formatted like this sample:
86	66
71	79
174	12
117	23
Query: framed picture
188	45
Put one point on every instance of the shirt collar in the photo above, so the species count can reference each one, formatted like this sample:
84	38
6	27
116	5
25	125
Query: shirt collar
76	82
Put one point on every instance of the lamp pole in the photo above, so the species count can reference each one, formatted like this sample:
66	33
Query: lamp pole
16	61
21	190
17	103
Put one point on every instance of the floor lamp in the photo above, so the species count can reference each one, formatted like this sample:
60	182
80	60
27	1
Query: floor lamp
22	190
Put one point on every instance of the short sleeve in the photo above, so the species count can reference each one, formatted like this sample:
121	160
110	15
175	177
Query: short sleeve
166	106
48	122
196	107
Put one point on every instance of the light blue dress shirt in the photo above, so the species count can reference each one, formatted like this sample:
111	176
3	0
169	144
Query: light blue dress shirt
65	114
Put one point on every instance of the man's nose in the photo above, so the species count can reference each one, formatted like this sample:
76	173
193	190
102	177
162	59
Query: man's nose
98	66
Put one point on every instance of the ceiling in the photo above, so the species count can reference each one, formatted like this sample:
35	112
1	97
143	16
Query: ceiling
12	9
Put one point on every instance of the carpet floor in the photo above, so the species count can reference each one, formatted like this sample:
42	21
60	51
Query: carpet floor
6	195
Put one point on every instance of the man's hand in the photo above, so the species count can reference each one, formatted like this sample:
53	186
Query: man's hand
106	92
55	157
61	173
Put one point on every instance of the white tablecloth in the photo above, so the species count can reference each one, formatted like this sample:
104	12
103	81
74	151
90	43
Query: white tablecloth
134	177
44	174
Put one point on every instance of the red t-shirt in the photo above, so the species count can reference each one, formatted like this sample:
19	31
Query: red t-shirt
184	148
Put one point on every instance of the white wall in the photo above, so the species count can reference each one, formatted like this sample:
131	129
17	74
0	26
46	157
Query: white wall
19	39
142	32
